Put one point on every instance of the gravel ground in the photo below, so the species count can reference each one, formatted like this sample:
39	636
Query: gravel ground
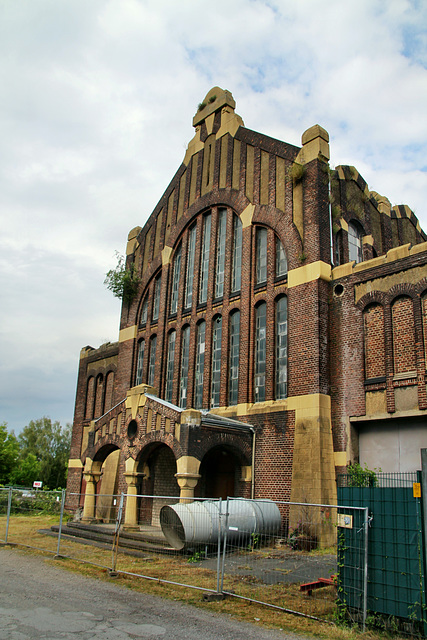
41	601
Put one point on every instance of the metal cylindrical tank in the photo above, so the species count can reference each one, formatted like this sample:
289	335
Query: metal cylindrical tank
200	522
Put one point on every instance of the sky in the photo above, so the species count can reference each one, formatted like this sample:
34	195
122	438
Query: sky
96	113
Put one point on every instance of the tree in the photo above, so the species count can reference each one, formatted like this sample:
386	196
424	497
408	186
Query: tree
122	281
49	444
9	453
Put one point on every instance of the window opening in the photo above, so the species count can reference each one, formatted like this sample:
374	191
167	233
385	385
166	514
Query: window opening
140	362
354	243
216	361
281	348
233	375
220	253
204	266
175	280
152	360
237	255
281	261
185	350
260	352
200	365
261	255
156	303
170	366
191	251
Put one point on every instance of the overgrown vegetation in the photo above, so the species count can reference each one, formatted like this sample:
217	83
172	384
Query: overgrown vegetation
39	452
359	476
122	281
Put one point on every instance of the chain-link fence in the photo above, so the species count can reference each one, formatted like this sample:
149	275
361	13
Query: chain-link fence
280	554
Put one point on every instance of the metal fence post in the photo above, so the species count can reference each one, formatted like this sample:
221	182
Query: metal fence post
218	564
225	545
9	505
117	534
60	522
365	568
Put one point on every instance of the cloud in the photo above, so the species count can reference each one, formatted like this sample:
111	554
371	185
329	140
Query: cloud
97	103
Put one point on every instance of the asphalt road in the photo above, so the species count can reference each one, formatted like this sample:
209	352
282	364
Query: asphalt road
38	600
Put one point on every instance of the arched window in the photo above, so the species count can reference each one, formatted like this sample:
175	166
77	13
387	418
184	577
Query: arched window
220	252
216	361
144	311
185	352
170	366
281	348
175	280
90	398
156	300
140	362
109	386
260	351
281	261
204	259
261	255
236	275
200	365
191	252
355	235
99	409
233	368
152	360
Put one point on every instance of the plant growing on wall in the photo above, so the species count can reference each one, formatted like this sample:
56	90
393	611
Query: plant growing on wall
122	281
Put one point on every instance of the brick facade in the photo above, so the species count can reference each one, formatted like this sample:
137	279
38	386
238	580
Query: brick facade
273	221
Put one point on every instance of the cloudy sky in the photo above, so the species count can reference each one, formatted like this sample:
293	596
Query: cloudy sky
96	108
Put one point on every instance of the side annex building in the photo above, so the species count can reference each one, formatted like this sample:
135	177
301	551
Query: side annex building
279	332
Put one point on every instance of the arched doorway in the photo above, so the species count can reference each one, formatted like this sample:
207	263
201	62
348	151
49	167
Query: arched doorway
158	465
108	459
220	471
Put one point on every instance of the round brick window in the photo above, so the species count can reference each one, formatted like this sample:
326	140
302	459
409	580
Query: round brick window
338	290
132	429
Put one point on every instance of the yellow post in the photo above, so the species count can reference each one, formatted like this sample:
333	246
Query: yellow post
89	503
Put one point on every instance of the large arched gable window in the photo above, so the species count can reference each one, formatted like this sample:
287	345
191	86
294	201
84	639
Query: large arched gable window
216	361
170	366
185	355
152	360
200	364
234	354
140	362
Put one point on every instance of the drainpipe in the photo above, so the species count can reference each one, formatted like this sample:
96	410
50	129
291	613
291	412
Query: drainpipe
331	234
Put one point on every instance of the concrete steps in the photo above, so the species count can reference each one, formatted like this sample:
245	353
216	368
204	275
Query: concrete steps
147	539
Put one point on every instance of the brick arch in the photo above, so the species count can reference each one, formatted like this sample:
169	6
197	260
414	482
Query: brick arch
374	340
284	227
403	331
373	297
403	289
242	448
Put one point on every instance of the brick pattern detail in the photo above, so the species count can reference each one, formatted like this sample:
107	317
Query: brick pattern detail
373	323
403	335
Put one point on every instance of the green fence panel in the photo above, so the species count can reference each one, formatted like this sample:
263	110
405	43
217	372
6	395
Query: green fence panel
395	548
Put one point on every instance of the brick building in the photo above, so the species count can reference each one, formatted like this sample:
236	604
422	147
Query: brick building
278	331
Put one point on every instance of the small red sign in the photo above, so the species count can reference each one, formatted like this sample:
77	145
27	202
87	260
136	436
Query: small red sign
37	484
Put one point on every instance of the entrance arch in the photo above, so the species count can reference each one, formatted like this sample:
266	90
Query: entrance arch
157	463
220	472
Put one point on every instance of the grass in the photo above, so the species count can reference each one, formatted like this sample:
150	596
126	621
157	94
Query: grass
94	562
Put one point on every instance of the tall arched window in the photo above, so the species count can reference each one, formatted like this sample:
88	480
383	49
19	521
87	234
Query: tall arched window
175	280
355	235
152	360
144	311
140	362
260	351
191	252
200	365
185	352
220	252
281	348
281	261
216	361
233	367
99	409
204	259
156	300
261	255
90	398
170	366
236	275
